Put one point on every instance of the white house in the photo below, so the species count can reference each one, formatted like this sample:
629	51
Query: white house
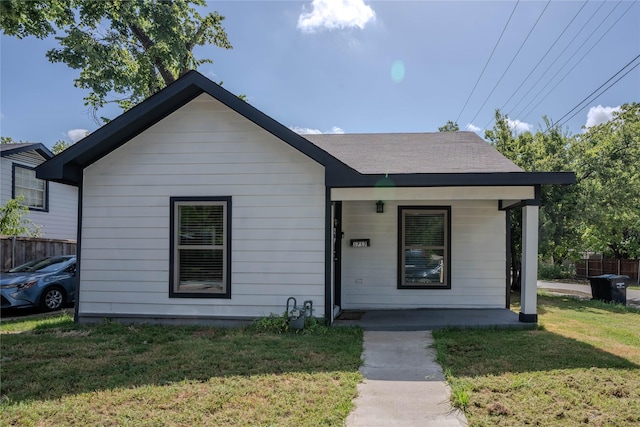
197	206
52	206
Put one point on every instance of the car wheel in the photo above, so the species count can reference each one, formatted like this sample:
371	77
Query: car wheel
52	299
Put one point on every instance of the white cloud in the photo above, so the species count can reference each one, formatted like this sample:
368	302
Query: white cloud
598	115
309	131
211	75
76	135
471	127
335	14
519	127
304	131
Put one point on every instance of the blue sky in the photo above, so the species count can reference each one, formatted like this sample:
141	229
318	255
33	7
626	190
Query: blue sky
377	66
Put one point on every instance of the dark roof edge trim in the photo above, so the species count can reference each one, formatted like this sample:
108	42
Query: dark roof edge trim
335	179
36	146
155	108
117	132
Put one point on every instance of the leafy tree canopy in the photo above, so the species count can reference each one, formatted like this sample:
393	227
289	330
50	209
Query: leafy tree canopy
602	211
450	126
541	152
60	146
131	48
607	165
9	140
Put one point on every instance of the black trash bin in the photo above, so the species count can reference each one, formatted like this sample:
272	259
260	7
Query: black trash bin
610	288
618	288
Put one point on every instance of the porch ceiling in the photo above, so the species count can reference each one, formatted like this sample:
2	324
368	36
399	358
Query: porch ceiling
434	193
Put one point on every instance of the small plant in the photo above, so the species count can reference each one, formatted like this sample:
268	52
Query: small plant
314	324
459	391
460	398
12	221
277	324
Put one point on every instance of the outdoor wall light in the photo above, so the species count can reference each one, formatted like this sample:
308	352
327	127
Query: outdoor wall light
379	206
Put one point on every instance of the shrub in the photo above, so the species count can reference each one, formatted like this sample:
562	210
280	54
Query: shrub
550	271
279	324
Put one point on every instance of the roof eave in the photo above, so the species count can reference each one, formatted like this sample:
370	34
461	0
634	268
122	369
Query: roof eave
36	146
336	179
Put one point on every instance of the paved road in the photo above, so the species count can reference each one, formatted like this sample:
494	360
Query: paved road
633	296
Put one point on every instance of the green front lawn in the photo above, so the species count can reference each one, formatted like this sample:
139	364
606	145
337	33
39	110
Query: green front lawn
56	373
582	367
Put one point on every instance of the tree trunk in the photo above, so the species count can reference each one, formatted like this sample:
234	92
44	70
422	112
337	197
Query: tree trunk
516	269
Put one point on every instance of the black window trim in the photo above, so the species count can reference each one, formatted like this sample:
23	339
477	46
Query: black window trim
13	187
172	202
447	284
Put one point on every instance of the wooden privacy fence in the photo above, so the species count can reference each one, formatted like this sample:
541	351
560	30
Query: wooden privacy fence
18	250
596	267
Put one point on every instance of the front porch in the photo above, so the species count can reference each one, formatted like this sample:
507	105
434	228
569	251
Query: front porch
430	319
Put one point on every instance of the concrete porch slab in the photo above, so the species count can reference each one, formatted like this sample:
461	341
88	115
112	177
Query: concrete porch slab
431	319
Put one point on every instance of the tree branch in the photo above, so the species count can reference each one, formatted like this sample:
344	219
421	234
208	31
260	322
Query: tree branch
147	44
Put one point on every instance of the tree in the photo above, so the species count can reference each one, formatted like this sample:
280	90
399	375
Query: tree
9	140
132	48
12	221
60	146
450	126
608	172
559	211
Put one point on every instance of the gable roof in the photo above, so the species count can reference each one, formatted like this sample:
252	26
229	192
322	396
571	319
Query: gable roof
358	160
67	166
401	153
21	147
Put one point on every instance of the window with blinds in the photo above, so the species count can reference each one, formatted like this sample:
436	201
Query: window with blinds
200	247
424	247
31	189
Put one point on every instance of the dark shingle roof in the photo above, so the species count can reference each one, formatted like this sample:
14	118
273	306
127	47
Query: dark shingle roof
410	160
402	153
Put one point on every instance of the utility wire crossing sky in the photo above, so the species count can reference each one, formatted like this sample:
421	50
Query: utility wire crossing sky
354	66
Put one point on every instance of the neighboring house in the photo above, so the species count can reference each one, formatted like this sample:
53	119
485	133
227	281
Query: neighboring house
195	206
52	206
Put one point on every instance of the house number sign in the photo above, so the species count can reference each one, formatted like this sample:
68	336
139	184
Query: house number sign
360	243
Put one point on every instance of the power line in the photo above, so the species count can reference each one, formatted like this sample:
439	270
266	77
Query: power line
560	55
540	61
589	96
488	60
511	63
577	63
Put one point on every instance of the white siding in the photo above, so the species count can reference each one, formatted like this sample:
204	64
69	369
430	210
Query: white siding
369	275
5	179
203	149
60	222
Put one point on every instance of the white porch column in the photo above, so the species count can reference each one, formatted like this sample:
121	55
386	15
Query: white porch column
529	298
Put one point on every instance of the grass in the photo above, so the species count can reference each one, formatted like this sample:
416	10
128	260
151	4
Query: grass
57	373
581	367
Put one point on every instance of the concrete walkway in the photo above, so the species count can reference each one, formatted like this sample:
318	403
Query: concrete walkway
404	386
